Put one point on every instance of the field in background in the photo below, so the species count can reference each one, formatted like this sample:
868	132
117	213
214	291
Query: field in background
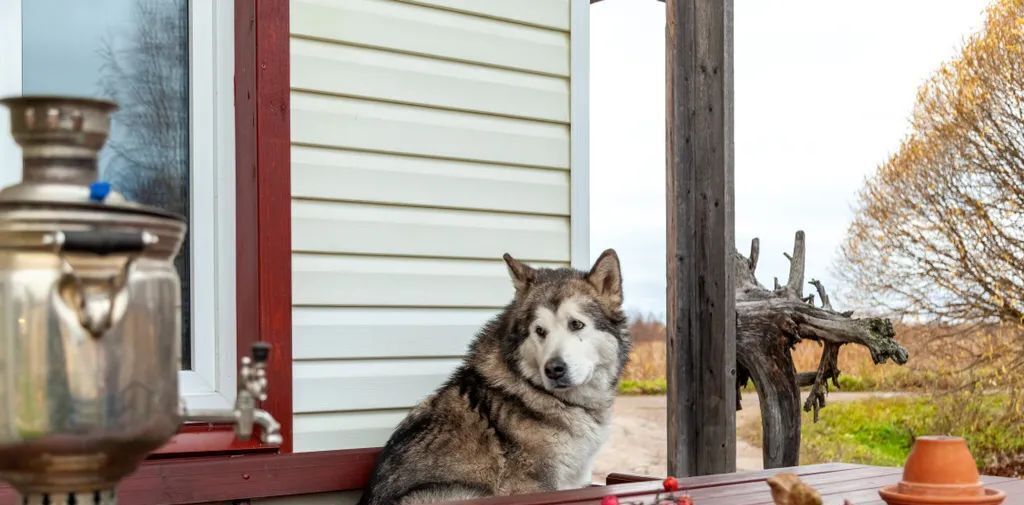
960	381
880	431
645	373
937	355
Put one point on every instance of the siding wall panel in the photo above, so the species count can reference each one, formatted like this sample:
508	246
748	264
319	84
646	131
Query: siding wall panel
428	138
333	386
333	174
361	72
347	332
346	430
357	228
415	29
546	13
372	281
422	131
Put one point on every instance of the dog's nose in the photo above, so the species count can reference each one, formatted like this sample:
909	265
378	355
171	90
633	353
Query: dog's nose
555	368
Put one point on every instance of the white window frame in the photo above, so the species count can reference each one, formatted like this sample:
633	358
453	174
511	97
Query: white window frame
579	124
211	381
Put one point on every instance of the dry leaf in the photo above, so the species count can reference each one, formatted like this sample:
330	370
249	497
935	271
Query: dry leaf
788	489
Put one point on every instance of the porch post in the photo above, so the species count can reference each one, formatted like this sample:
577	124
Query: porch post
699	192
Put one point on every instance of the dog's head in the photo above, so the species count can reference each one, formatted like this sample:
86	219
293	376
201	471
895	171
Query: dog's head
568	329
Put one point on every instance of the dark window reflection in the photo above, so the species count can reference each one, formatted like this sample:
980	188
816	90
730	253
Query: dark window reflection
134	52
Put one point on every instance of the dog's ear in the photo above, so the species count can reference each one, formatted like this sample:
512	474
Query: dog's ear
521	273
607	277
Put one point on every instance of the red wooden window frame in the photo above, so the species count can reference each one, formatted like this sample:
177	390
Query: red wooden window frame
262	221
204	463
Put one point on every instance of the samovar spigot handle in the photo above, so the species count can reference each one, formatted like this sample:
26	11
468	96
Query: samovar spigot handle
252	388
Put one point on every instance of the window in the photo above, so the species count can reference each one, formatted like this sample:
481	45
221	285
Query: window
169	64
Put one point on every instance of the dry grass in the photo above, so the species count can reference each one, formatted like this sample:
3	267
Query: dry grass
646	362
936	352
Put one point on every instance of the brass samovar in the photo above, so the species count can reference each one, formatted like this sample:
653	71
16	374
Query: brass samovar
90	322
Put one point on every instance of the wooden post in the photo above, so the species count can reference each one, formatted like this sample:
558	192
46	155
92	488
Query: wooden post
699	191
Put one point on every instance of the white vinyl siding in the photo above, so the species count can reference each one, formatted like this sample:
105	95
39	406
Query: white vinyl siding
429	137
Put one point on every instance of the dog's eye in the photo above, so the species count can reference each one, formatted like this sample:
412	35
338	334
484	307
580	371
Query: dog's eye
576	325
541	332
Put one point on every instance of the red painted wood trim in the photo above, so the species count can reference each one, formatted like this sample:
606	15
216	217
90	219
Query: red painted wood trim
207	440
225	479
263	219
263	210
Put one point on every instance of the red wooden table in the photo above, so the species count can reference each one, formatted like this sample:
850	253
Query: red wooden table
835	482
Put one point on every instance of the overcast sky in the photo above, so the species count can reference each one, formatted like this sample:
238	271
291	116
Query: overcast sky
823	93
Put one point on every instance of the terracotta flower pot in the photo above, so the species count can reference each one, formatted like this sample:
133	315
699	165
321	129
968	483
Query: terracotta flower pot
940	470
940	466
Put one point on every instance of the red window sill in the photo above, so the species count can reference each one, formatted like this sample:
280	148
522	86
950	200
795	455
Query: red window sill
203	439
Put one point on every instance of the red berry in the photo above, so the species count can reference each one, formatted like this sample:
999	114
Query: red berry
609	500
684	500
671	484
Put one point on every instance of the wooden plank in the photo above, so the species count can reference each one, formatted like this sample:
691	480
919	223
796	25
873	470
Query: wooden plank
368	281
727	489
646	490
342	498
335	174
248	477
352	333
362	72
355	228
333	386
733	478
1014	489
366	125
414	29
345	430
699	191
544	13
867	493
842	482
263	197
213	480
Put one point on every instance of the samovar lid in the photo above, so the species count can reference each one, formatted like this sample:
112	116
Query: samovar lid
60	139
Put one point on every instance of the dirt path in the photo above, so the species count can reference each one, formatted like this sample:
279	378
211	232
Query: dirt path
637	443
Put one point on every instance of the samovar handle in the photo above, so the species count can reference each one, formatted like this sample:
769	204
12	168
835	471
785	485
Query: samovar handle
101	243
94	299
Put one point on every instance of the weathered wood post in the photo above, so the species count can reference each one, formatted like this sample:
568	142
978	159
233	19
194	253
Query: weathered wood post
699	191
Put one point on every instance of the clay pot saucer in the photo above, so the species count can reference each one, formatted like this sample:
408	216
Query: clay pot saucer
988	496
940	470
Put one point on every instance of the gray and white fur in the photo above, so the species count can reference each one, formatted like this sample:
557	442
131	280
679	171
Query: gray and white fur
529	407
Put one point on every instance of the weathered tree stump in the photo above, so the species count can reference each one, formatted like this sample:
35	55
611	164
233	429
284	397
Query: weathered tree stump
770	322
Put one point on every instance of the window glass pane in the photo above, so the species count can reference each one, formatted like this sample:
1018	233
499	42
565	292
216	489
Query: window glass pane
134	52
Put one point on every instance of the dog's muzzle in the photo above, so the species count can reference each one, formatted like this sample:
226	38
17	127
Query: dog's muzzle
557	373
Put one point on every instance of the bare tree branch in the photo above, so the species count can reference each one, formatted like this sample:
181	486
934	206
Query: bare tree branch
828	369
795	283
825	302
755	252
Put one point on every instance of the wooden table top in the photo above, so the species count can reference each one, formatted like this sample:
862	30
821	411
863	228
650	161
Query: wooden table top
835	482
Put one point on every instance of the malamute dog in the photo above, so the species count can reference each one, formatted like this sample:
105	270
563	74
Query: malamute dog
529	407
